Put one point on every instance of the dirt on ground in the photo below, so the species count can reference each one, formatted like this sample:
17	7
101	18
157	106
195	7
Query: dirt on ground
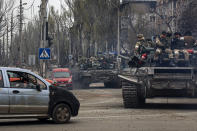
102	110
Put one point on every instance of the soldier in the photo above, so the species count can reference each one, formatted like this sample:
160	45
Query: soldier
178	46
163	45
140	43
189	40
149	43
169	37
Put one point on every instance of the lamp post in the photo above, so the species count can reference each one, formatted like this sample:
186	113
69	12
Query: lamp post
118	40
122	3
43	42
118	34
20	30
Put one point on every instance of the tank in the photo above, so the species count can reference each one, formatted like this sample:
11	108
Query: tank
145	79
96	70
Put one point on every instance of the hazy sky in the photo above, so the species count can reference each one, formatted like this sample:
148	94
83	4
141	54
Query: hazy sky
35	8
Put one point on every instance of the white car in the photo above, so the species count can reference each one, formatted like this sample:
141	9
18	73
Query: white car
24	94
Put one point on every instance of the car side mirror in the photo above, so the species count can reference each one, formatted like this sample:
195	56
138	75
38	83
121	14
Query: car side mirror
38	88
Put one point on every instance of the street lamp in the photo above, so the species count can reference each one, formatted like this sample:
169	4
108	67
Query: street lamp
118	40
20	31
118	33
122	3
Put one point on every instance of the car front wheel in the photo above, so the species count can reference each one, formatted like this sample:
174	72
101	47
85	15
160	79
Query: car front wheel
61	114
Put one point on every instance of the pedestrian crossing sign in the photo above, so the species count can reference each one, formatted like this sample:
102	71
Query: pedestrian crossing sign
44	53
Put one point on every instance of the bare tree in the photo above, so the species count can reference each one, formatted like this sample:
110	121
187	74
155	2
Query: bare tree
5	9
169	12
188	19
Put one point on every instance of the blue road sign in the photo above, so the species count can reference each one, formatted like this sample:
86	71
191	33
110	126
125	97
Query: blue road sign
44	53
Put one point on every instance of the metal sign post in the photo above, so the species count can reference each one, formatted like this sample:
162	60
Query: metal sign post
43	15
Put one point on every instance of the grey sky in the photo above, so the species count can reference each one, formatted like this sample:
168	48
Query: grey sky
35	8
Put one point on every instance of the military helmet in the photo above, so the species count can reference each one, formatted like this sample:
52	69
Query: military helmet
164	33
177	33
140	36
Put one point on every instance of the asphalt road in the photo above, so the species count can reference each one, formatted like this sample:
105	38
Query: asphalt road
102	110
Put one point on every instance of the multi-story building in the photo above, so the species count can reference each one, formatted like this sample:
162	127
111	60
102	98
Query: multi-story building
141	19
169	12
165	13
141	14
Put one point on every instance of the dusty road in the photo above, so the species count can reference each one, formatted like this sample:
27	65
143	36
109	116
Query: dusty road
102	110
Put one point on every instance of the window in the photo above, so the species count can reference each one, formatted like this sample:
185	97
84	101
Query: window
1	80
61	75
24	80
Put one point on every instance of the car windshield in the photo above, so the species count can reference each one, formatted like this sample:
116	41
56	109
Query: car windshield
61	75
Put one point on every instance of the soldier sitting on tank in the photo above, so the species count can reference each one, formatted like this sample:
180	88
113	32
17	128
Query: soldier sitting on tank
179	47
150	43
189	40
139	45
163	46
140	57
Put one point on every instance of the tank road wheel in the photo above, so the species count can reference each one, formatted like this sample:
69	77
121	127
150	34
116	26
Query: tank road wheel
131	95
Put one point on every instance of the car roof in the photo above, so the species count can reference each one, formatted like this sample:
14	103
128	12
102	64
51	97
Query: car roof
23	70
61	70
14	69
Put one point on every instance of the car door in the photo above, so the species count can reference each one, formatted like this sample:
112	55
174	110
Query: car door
24	96
4	98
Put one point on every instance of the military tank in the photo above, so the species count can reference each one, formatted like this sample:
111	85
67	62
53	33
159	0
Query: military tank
96	70
145	79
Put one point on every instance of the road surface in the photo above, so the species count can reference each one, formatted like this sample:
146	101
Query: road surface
102	110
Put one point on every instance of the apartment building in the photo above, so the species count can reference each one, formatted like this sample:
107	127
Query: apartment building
169	12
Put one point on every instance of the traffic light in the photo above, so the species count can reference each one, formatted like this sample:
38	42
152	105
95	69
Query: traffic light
49	38
50	41
47	30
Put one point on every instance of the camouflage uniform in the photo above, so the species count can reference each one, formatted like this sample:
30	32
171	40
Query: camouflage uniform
139	44
149	43
189	42
178	46
163	44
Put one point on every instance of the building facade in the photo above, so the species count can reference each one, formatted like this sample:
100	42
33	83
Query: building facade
169	12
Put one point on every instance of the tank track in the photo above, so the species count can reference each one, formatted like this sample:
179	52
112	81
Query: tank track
131	95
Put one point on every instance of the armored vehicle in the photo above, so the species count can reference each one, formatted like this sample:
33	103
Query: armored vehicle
146	80
96	70
85	77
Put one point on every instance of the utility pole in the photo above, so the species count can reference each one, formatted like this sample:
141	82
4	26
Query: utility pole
118	40
3	49
43	9
118	34
7	45
11	39
58	45
20	32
